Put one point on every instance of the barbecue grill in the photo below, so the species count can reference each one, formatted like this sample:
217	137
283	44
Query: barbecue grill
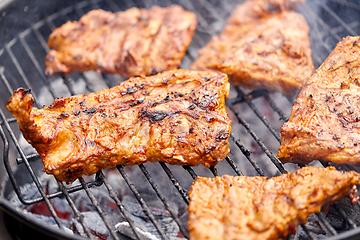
157	191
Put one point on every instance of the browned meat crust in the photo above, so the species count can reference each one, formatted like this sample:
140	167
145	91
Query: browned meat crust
130	43
263	45
178	117
264	208
324	122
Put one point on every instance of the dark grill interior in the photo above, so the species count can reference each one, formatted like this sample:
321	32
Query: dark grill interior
256	115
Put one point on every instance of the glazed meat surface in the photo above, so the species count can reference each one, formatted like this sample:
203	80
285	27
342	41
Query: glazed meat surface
324	122
178	117
264	45
264	208
130	43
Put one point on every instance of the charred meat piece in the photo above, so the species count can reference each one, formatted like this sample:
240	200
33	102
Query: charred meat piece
130	43
264	208
263	46
324	122
178	117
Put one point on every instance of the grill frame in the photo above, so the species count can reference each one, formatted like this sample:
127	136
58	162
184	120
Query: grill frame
7	132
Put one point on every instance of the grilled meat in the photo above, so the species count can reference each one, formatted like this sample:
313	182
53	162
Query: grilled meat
178	117
324	122
264	208
130	43
263	45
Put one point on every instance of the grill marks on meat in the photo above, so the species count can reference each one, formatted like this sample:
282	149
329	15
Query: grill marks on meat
130	43
263	45
324	123
264	208
167	117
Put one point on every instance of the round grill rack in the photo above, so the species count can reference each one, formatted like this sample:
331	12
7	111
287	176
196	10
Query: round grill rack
257	116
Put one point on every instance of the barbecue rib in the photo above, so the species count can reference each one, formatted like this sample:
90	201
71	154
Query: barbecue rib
264	208
263	45
324	123
178	117
130	43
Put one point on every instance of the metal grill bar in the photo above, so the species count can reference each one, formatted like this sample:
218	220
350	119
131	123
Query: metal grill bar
310	234
323	24
233	165
7	84
78	215
228	7
79	10
275	108
49	21
348	4
343	214
349	168
34	157
57	194
254	94
175	182
19	69
326	223
247	154
337	18
257	112
114	7
35	62
6	81
190	171
68	83
310	14
30	170
142	202
163	199
276	161
118	203
214	12
94	4
39	36
201	20
98	209
214	171
336	205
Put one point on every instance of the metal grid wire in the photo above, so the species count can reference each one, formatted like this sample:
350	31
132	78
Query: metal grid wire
212	17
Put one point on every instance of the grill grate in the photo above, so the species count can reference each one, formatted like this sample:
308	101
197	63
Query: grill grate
18	64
